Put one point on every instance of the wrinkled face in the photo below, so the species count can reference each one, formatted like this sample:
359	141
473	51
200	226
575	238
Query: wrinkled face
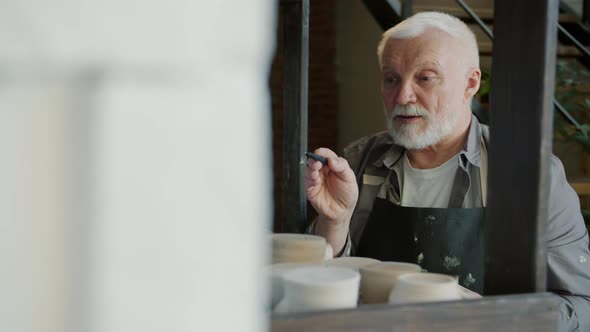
424	82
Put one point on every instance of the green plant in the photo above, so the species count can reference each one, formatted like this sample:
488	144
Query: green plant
485	84
572	83
572	80
582	137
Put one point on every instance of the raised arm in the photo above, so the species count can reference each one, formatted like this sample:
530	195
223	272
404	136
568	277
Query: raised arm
333	192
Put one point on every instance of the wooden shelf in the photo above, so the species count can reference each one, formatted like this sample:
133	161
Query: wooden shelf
581	185
525	312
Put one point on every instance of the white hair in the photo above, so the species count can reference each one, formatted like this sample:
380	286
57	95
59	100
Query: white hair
419	23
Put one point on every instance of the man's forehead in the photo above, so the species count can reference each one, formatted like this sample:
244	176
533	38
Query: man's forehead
419	52
431	39
425	63
430	32
416	57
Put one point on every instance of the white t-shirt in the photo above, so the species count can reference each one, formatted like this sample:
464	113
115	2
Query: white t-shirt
428	187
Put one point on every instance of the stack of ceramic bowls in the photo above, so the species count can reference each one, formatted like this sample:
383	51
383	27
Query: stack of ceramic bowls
354	263
298	248
424	287
316	288
378	279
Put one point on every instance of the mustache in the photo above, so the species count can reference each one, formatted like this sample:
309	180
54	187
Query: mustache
409	110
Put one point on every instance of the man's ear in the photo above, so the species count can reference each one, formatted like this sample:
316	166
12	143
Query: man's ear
473	80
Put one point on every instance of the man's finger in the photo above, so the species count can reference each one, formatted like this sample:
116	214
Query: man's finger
311	183
340	166
326	153
313	176
314	164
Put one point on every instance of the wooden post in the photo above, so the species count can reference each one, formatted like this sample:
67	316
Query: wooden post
586	12
296	52
520	149
407	9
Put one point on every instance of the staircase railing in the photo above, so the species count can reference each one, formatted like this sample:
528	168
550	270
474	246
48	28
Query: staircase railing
578	45
573	39
476	18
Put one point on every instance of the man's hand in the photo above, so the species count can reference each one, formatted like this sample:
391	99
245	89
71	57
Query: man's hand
333	192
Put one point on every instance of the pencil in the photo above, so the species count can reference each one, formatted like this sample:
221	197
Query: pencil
319	158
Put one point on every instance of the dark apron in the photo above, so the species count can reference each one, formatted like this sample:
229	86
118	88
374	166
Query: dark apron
448	241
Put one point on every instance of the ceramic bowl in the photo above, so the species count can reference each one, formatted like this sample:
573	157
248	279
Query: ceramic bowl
319	288
298	248
378	279
354	263
424	287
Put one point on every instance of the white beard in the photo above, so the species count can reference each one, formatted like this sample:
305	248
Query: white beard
411	136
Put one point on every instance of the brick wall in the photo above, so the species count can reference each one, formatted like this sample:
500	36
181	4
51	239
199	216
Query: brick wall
323	92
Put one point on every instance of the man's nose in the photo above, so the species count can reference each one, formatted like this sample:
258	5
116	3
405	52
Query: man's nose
406	94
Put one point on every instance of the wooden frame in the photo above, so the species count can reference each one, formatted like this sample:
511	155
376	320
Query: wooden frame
295	91
520	147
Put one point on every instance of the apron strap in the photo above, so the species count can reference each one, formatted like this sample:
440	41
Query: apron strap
483	173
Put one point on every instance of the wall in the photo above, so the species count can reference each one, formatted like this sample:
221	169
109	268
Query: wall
361	108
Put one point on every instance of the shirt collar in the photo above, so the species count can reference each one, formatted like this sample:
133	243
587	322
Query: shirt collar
471	150
391	155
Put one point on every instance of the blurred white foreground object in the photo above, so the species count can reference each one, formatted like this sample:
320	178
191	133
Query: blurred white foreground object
135	144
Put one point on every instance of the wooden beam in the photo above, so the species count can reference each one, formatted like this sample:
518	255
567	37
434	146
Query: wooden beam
486	14
531	312
387	13
520	149
295	83
581	185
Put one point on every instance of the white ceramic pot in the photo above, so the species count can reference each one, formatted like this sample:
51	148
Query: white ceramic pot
328	252
319	288
378	279
424	287
276	272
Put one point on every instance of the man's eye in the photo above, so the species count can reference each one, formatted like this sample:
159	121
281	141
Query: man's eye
390	80
426	78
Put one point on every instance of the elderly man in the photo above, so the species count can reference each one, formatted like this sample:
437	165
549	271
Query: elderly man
417	192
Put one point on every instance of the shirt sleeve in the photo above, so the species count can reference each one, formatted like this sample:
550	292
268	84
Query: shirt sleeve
568	257
353	154
347	246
